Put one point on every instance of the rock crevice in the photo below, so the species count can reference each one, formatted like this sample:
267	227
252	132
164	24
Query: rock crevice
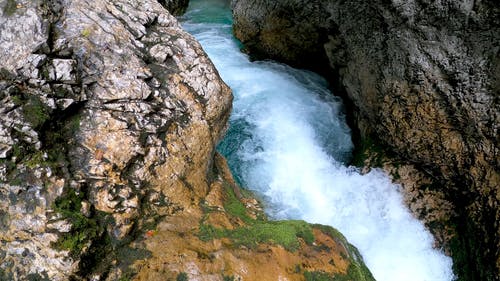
109	112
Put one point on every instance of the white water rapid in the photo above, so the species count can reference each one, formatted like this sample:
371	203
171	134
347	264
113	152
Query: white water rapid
288	142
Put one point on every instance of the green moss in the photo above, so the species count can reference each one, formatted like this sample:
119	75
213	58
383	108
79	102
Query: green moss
317	276
35	112
284	233
233	205
16	181
357	270
16	100
37	277
10	8
353	274
287	233
86	32
35	159
17	151
6	74
182	277
83	229
332	232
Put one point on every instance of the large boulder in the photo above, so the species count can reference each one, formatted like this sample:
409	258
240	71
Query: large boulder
423	78
110	114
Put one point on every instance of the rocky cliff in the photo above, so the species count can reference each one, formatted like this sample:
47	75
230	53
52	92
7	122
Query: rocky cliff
422	80
110	115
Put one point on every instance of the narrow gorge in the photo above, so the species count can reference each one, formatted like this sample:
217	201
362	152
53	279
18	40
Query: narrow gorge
289	142
124	155
421	80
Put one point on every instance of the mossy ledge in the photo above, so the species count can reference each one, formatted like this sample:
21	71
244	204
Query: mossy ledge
255	228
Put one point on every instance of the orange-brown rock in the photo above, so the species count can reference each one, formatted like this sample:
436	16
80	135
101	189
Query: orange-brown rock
176	247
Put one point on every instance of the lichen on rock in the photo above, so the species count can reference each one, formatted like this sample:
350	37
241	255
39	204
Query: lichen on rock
110	116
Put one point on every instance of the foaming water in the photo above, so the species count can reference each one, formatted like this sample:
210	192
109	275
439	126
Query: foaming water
288	141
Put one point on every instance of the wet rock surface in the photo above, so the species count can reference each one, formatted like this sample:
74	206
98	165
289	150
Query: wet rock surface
109	118
423	80
229	238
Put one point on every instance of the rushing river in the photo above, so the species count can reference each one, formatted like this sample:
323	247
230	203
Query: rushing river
288	142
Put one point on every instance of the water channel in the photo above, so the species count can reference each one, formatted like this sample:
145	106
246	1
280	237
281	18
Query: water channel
289	143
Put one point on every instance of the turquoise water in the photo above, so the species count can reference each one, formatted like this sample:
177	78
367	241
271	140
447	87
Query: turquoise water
288	142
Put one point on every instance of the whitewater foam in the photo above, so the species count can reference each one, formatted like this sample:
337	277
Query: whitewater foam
288	141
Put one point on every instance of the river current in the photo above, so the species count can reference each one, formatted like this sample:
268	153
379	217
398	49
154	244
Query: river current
289	143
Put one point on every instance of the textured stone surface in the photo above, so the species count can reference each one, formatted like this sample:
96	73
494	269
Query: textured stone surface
176	7
109	118
423	77
329	255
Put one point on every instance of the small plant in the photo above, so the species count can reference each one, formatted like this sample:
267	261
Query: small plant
35	112
86	32
233	205
368	149
83	229
10	8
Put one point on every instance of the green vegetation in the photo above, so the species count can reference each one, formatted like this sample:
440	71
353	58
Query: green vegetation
86	32
233	205
228	278
332	232
35	112
83	229
284	233
353	274
182	277
16	100
10	8
37	277
317	276
357	269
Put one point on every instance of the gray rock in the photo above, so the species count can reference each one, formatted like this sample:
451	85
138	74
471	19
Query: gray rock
422	78
117	103
62	70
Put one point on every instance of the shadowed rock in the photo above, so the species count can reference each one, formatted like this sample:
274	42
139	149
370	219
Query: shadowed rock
423	80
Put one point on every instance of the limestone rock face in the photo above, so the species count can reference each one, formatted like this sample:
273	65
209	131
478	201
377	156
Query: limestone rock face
109	115
424	79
